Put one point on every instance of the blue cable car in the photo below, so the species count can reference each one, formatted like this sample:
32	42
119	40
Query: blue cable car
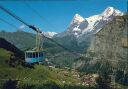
34	56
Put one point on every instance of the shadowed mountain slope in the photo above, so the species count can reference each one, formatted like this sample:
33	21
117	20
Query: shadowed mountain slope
10	47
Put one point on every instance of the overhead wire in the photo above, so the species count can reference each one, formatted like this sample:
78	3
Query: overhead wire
38	14
13	15
12	25
35	29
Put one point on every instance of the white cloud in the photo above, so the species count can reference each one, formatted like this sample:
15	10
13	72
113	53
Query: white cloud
22	26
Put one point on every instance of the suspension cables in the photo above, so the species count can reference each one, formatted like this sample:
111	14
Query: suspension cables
12	25
36	29
38	14
18	18
13	15
33	9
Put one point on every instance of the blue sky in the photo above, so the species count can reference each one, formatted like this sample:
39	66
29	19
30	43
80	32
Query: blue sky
56	14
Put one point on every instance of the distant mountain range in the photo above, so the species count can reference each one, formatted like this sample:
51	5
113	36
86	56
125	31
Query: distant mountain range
49	34
81	30
81	27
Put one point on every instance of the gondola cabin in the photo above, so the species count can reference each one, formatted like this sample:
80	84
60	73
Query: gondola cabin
34	56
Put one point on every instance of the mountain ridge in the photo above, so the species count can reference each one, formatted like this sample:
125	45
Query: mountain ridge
80	26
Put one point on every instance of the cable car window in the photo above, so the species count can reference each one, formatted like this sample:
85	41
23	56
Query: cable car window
42	54
30	55
34	55
27	55
39	54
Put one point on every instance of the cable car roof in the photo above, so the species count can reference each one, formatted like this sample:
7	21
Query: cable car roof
31	51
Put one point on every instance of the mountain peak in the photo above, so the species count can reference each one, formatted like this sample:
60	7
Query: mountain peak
110	8
77	19
111	11
50	34
77	15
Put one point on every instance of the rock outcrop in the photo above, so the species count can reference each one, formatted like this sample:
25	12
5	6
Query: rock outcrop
110	43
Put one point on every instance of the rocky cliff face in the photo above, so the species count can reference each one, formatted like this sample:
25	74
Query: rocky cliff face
110	43
109	48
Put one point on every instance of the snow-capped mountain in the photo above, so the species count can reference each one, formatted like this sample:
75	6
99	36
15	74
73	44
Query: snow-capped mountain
77	24
49	34
80	26
77	19
110	12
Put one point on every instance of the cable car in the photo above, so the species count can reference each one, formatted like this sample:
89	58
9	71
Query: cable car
36	55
